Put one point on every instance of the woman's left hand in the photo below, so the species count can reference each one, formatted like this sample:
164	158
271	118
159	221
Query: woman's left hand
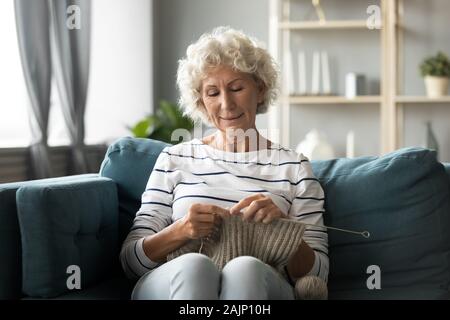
259	208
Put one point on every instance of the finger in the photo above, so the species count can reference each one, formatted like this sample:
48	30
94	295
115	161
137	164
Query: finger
273	215
260	215
268	219
205	229
248	214
253	208
204	217
217	220
236	209
203	225
201	234
212	209
220	212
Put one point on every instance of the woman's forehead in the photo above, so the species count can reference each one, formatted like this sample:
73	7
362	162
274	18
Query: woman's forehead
223	74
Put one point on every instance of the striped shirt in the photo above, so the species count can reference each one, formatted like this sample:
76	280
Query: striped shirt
194	172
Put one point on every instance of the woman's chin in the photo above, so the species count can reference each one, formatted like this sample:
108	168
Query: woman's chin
234	127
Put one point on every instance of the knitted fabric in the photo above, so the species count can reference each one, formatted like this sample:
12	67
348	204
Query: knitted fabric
272	243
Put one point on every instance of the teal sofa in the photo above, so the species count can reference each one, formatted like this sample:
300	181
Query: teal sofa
402	198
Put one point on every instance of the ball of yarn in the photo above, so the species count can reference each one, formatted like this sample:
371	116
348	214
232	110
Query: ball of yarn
311	288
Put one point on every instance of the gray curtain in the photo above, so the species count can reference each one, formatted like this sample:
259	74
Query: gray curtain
32	20
70	56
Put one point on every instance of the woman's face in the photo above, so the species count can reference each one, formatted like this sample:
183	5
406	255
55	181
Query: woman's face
231	98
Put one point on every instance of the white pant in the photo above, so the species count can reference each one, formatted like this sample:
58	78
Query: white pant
194	276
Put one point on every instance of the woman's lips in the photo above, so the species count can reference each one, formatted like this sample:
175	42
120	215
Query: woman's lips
232	118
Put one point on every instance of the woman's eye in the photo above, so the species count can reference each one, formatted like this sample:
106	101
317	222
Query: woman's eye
236	89
213	93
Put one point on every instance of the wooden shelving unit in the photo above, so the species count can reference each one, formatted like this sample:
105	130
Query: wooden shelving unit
421	99
331	100
391	102
317	25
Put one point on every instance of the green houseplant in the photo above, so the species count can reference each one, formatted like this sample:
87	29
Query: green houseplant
160	126
436	72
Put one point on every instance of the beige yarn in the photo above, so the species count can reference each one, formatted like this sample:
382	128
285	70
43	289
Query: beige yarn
273	244
311	288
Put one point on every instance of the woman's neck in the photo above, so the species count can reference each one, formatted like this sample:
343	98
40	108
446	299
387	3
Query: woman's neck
237	141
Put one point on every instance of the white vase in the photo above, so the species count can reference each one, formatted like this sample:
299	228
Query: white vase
315	146
436	86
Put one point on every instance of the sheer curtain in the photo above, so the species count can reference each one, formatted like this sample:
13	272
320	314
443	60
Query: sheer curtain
70	43
32	21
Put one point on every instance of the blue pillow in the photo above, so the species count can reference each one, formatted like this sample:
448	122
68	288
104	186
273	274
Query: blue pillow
402	198
67	223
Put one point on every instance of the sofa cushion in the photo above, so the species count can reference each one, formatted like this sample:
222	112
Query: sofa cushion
10	246
447	169
63	224
110	289
129	162
402	198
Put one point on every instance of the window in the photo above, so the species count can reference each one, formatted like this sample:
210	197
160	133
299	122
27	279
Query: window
120	87
14	100
14	124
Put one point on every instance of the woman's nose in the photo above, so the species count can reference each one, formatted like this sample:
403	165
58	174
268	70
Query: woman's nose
227	101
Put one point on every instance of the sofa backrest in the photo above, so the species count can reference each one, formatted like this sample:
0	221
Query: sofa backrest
447	170
129	162
402	199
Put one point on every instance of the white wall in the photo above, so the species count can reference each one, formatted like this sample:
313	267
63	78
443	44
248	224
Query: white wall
183	21
180	22
120	88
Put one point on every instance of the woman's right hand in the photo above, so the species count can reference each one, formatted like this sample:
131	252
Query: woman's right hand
201	220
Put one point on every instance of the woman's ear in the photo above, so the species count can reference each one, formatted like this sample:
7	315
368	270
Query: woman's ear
261	90
201	107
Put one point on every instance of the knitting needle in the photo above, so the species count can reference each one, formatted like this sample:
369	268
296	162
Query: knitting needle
365	234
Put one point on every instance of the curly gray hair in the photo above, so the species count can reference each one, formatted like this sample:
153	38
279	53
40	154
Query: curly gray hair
224	46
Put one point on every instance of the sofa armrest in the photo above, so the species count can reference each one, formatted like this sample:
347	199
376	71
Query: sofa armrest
69	223
10	244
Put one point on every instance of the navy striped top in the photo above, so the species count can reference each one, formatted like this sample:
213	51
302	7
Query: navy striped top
194	172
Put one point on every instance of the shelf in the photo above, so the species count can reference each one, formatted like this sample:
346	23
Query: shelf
333	100
421	99
317	25
391	103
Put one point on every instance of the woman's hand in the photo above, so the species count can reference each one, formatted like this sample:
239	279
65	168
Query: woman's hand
201	220
259	208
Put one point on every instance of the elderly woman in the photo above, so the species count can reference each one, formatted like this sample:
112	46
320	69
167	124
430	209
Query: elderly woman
225	80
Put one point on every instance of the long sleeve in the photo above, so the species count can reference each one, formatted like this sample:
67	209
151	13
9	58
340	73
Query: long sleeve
308	207
154	215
